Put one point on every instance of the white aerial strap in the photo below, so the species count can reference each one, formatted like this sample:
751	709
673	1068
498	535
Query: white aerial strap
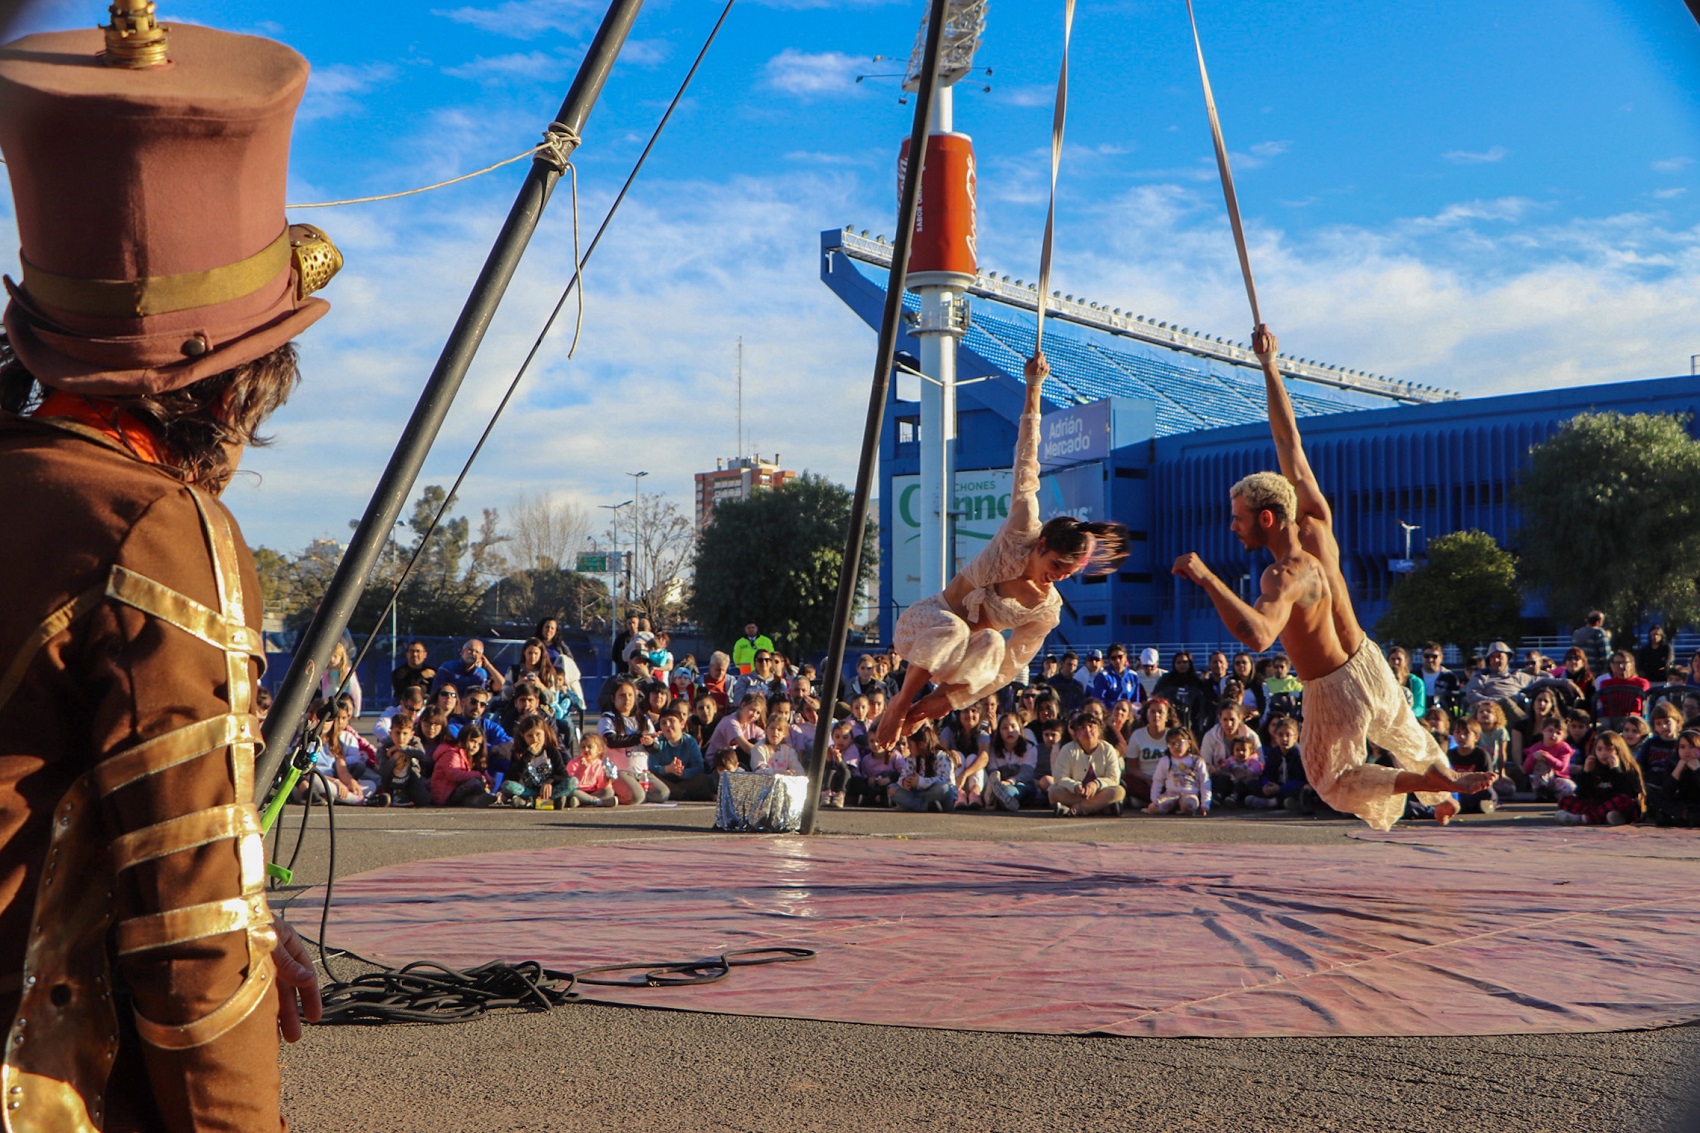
1058	118
1227	174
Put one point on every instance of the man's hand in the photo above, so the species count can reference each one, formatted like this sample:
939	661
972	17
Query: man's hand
1263	342
297	984
1037	369
1190	567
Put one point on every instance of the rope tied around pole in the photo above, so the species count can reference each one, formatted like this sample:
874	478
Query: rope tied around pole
1059	117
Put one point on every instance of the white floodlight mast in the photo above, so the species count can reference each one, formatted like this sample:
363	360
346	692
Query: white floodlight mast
943	314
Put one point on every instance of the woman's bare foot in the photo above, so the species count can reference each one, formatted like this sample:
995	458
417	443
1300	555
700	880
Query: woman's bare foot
1445	811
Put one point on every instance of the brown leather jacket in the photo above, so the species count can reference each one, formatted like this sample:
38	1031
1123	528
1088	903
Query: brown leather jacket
135	943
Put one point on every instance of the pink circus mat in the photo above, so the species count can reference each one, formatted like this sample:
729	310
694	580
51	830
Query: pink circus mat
1516	932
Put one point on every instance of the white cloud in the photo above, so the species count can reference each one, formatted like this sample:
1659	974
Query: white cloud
686	268
1271	149
1032	95
528	19
500	69
336	91
1486	157
1668	194
1672	164
809	74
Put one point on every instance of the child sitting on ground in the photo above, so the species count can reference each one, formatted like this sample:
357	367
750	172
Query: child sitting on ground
400	761
774	755
875	772
842	758
1547	764
1467	755
1609	789
1241	776
1438	723
1496	742
460	776
536	769
1682	793
587	782
1182	782
1052	735
1012	757
1657	755
926	776
1284	778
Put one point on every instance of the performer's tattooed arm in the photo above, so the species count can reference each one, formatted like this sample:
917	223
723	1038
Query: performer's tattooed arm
1255	625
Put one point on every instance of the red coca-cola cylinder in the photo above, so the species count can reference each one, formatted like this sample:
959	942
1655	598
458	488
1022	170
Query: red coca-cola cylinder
946	237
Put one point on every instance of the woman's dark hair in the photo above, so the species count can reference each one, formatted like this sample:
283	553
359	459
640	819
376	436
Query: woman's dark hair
1085	717
553	638
609	691
1179	655
545	666
1068	536
198	423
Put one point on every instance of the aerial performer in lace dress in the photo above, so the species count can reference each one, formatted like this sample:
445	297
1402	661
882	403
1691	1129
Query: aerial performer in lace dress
956	639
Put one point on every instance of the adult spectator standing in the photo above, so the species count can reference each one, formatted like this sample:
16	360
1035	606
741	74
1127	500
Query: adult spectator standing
1440	684
1498	681
1117	682
1149	672
1653	661
415	669
158	980
1184	688
549	633
1088	673
1067	685
1216	675
1594	639
744	650
622	645
469	670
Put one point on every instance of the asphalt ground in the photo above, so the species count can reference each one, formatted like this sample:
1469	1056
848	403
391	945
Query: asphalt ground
591	1067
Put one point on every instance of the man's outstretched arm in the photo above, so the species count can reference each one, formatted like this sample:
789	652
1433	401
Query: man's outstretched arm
1255	626
1284	425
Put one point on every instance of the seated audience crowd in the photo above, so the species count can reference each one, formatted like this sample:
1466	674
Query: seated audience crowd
1092	735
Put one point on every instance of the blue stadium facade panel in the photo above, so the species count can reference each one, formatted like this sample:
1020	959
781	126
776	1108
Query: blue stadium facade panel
1444	466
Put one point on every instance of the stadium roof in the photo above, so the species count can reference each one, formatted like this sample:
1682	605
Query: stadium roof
1194	381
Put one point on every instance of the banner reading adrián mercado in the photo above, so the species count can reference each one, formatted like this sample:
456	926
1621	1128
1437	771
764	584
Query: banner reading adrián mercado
1074	444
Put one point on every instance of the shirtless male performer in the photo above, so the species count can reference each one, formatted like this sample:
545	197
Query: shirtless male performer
1349	696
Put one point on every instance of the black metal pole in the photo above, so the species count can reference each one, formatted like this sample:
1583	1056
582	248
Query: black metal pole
346	586
889	323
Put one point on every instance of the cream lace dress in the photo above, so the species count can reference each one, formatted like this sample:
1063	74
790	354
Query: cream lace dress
969	649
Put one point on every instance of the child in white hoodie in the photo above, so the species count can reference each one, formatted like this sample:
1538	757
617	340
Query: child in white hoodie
1182	782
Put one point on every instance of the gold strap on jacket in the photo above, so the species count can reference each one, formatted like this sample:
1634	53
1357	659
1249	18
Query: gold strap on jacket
187	832
160	601
51	627
168	749
193	922
210	1026
159	294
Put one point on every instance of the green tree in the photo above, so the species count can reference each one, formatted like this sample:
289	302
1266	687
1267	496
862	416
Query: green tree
775	559
1464	595
1611	520
529	596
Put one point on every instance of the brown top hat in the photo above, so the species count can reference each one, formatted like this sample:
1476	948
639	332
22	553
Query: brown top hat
150	209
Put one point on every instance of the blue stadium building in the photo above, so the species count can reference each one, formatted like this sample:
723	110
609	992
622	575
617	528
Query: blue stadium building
1149	424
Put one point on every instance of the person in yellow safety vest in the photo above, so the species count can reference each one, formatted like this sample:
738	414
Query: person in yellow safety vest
744	650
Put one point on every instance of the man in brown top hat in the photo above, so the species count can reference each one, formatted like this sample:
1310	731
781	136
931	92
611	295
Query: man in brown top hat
143	983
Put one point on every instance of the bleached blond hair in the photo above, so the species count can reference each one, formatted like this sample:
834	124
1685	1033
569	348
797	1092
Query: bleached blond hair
1269	490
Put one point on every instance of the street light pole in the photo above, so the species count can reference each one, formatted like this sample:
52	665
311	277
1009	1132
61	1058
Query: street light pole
637	518
614	613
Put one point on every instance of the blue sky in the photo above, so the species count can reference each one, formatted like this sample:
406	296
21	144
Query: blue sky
1481	197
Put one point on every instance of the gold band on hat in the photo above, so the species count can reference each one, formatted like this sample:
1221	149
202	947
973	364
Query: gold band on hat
160	294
